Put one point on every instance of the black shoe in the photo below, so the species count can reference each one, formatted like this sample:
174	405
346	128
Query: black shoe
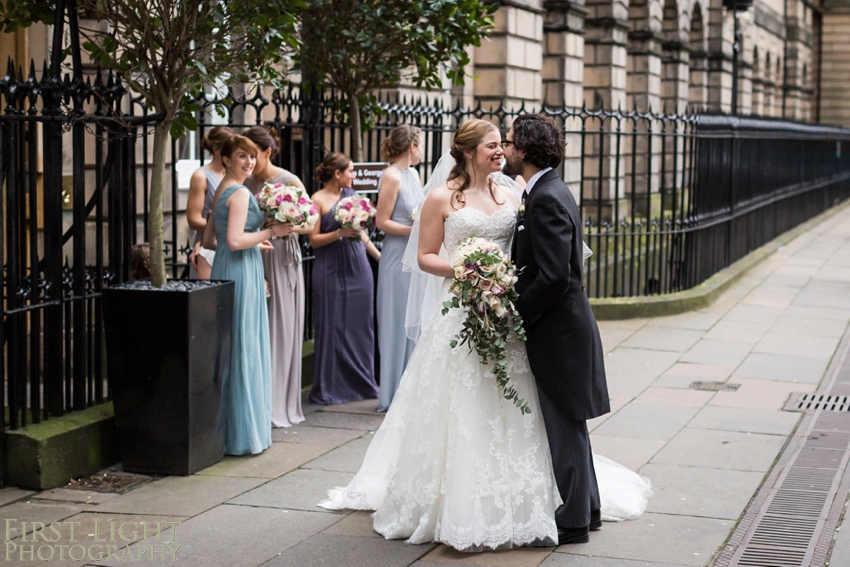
573	535
595	520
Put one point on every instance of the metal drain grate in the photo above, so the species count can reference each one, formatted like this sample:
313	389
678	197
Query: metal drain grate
754	557
828	421
810	402
784	532
829	440
714	386
819	459
809	479
797	503
118	482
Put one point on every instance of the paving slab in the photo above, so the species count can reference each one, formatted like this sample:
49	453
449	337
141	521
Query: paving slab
358	523
646	422
34	511
754	314
782	367
326	436
612	338
674	398
821	348
76	495
806	312
737	331
726	450
339	420
629	324
627	451
299	490
759	394
98	535
657	538
825	294
350	551
708	351
564	560
11	494
228	536
700	491
634	363
767	297
180	495
521	557
692	320
810	326
663	338
840	555
346	458
747	420
683	374
367	407
275	461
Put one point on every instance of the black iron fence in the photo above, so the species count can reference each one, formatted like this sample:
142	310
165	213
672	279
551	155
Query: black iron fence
667	201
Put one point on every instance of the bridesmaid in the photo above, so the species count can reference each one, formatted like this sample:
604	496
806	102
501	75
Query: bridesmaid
238	223
343	289
202	187
399	194
282	267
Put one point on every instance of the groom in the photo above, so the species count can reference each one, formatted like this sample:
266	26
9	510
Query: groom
564	348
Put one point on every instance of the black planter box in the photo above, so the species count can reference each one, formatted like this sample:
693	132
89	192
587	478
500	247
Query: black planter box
168	353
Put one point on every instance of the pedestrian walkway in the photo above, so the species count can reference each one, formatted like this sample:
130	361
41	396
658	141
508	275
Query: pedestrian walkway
696	403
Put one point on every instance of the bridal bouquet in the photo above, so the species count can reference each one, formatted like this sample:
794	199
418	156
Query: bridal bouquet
287	203
355	212
483	283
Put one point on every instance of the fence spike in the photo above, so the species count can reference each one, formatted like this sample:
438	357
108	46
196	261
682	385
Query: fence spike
10	70
31	78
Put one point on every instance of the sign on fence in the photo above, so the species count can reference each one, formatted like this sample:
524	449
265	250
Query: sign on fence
368	175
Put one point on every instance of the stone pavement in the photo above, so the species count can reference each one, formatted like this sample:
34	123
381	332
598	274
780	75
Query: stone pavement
706	452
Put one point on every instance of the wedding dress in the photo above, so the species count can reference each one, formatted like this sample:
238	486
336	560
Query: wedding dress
454	461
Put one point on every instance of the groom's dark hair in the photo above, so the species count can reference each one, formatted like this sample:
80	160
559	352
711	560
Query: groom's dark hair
541	140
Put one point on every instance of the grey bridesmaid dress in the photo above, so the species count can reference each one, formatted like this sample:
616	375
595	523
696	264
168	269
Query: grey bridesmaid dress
393	286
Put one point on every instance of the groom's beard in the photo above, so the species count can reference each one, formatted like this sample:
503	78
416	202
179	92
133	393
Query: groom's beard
513	165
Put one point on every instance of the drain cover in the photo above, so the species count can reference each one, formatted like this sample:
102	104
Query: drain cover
810	402
110	482
714	386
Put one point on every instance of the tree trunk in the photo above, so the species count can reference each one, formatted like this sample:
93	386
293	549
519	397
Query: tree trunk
157	190
354	121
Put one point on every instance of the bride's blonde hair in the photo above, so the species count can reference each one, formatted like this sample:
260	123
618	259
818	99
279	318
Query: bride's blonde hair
466	139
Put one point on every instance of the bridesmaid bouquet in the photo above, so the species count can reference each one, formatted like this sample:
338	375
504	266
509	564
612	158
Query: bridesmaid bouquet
287	203
483	283
355	212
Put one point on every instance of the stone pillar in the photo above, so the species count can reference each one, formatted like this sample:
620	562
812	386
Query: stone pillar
697	61
719	58
675	63
604	87
835	58
563	75
643	71
508	66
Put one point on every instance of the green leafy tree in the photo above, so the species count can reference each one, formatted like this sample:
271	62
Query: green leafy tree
361	46
168	51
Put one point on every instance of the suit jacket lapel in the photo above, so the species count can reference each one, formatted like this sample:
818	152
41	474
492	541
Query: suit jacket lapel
545	178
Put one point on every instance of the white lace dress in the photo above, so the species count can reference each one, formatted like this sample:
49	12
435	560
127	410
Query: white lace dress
453	461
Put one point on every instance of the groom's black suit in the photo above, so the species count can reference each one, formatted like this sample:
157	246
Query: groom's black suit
564	348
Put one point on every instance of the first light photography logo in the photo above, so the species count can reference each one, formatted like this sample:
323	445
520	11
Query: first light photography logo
66	541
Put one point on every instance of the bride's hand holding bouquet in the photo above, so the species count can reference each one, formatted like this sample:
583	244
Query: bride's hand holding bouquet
483	282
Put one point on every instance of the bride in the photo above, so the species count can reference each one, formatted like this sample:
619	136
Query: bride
454	462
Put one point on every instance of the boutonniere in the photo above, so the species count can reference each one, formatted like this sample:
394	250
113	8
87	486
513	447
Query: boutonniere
520	217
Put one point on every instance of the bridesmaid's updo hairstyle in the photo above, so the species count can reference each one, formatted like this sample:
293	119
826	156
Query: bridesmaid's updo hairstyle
264	137
333	162
216	137
399	141
237	142
466	140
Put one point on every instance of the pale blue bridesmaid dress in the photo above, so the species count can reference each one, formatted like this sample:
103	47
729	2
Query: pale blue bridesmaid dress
247	394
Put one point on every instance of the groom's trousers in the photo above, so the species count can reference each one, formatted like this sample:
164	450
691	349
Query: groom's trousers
572	460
